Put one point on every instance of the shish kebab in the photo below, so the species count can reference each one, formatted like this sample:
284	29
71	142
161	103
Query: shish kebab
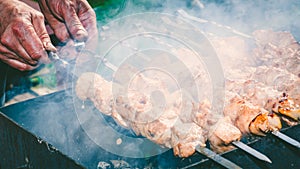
276	133
274	49
182	136
180	149
236	143
280	52
203	150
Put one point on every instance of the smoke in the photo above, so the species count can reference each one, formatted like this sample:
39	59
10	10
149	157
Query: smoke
217	18
63	130
243	15
248	16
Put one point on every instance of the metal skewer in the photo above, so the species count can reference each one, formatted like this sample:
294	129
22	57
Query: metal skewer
286	138
217	158
53	56
251	151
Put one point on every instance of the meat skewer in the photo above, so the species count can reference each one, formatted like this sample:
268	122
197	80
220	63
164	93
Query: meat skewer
100	93
180	139
260	119
183	137
274	50
218	139
278	52
286	83
258	93
169	129
266	122
257	96
272	84
271	104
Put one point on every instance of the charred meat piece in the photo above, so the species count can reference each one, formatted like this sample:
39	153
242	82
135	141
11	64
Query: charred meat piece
185	137
251	119
265	122
287	107
265	96
222	134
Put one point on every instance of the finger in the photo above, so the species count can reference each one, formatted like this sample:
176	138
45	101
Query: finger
12	55
73	23
87	17
58	27
16	63
13	60
42	33
30	40
60	30
11	43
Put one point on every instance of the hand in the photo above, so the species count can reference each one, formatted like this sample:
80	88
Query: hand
73	19
23	36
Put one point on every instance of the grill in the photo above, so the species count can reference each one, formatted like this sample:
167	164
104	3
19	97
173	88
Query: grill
45	132
33	135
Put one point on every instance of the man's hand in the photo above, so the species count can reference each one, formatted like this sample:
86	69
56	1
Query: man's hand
73	19
23	36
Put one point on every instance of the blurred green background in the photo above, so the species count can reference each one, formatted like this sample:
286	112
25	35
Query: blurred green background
107	9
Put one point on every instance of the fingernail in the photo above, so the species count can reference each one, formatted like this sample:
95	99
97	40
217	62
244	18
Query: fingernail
33	62
81	35
48	46
25	67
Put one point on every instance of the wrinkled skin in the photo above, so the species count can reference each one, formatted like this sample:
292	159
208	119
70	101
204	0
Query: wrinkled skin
71	19
24	39
23	36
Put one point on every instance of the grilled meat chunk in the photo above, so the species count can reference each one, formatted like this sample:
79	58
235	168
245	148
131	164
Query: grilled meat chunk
222	134
288	108
251	119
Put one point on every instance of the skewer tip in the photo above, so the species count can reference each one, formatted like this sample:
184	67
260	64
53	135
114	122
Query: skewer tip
268	160
251	151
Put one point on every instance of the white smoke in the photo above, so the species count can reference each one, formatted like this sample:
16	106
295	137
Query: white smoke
243	15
